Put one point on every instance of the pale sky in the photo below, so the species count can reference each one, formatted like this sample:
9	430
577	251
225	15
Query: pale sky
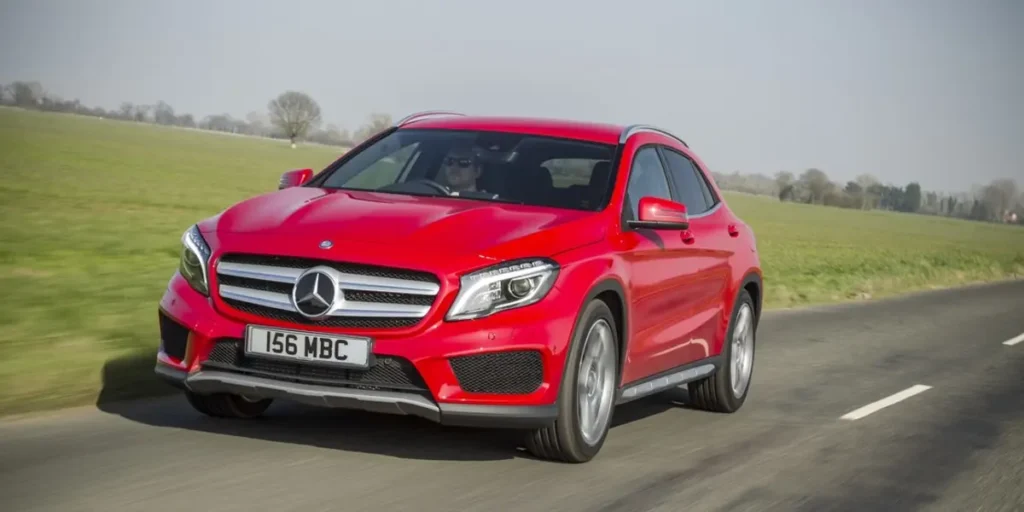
926	90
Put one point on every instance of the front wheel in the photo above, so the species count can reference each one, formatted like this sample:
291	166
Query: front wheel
727	389
587	394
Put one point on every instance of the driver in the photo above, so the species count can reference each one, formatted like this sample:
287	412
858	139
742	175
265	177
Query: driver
461	168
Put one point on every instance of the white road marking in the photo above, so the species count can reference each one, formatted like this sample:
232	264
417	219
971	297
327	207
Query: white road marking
885	402
1013	341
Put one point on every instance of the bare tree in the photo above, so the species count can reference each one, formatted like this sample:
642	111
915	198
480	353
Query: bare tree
27	94
141	113
126	110
258	123
817	183
867	183
999	198
295	113
164	114
377	123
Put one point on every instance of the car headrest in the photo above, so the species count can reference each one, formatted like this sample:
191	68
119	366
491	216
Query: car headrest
599	174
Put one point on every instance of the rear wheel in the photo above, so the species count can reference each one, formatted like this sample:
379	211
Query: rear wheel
227	405
726	390
587	394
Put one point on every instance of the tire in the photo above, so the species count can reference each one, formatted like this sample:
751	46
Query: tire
226	405
565	441
715	393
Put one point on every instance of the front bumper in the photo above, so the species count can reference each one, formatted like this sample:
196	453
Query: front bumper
416	371
386	402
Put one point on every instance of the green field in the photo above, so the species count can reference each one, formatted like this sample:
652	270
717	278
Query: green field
93	210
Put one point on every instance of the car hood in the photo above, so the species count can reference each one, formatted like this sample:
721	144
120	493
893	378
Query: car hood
433	224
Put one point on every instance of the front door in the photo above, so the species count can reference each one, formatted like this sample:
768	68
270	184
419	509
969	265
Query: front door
663	270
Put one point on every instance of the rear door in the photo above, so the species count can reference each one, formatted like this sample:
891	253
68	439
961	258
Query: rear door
704	316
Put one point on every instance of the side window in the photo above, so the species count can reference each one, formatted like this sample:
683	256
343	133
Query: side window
647	178
691	186
702	178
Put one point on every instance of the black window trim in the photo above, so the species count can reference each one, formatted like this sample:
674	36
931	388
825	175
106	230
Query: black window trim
625	213
677	188
700	175
617	153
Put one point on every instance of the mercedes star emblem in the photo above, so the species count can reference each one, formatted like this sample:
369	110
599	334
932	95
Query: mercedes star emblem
315	293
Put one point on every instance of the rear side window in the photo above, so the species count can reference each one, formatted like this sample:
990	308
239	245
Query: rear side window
694	190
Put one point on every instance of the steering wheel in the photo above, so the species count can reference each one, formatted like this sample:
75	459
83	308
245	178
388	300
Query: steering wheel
436	186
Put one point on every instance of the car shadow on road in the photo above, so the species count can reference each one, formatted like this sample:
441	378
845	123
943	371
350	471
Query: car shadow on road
127	379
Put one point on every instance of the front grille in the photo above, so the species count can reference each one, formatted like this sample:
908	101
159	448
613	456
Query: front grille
173	337
388	373
373	296
337	321
516	372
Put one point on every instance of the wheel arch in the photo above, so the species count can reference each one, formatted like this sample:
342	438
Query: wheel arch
610	291
753	283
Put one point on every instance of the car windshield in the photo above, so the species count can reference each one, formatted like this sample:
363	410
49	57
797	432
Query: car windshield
482	165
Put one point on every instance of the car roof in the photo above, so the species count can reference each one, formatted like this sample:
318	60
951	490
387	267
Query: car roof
604	133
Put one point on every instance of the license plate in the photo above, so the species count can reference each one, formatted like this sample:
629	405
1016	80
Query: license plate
311	347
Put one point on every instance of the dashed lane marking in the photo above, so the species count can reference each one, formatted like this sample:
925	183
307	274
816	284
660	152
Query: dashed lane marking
1013	341
885	402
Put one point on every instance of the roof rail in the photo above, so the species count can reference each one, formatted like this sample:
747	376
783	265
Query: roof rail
427	113
637	128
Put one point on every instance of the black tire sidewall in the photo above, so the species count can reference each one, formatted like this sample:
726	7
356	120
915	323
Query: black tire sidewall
243	408
724	383
567	424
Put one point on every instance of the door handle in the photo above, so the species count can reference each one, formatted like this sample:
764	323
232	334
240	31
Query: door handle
686	236
733	231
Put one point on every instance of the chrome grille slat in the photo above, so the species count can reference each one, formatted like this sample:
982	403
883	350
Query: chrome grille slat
348	282
250	282
352	308
258	297
261	272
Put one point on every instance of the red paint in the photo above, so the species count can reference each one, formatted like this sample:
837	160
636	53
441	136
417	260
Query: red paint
679	276
663	213
295	178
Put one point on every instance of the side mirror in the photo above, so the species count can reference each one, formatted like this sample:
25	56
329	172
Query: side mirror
657	213
295	178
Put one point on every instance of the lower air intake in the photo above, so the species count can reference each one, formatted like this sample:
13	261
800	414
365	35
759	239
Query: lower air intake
173	337
506	373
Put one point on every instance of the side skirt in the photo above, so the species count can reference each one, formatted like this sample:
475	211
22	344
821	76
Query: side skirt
668	379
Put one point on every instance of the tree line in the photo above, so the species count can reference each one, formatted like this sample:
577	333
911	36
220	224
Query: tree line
292	115
998	201
295	116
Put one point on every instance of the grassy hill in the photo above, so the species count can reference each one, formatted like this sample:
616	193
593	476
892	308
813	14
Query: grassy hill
93	210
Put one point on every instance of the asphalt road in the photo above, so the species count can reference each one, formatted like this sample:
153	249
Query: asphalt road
958	444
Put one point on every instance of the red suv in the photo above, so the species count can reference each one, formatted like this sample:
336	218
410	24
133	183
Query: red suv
477	271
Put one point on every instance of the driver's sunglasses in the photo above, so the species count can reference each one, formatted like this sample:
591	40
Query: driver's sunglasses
462	162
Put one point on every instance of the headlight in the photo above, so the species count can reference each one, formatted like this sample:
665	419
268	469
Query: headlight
509	285
195	254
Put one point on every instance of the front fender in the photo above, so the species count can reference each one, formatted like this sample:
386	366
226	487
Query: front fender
583	281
